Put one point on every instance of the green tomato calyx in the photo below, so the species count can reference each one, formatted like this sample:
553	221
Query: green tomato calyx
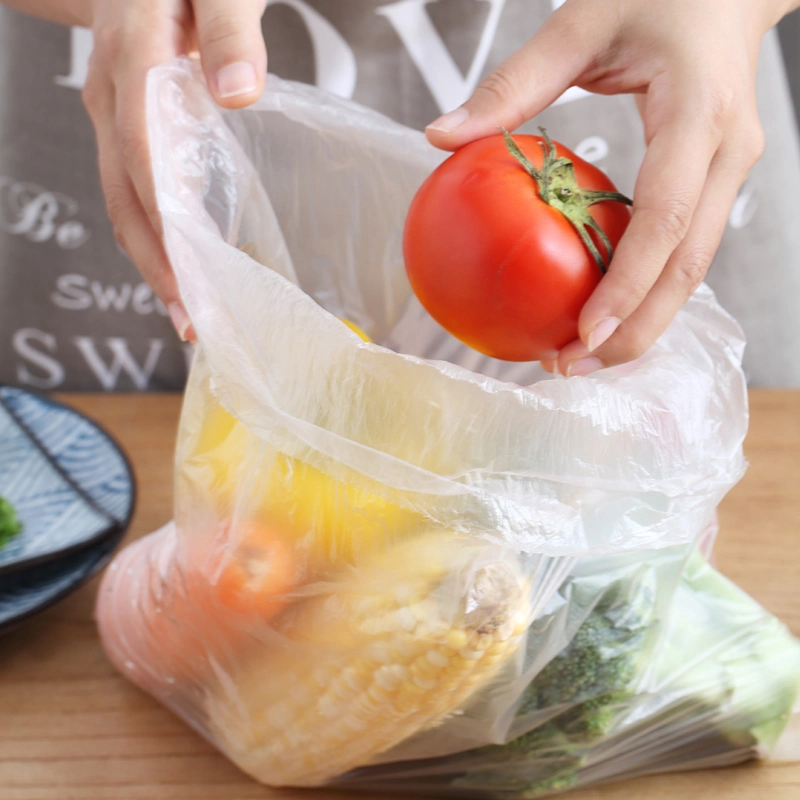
559	188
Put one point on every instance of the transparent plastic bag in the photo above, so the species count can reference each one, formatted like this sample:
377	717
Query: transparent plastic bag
376	543
662	664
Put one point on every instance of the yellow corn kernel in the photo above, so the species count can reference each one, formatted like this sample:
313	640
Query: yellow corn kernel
393	681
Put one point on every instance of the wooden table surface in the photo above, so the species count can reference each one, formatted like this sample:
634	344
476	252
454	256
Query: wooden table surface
72	728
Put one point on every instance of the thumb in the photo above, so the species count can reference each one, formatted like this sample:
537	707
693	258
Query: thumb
232	49
528	81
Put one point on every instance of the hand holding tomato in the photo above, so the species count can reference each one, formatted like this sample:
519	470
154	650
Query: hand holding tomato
692	67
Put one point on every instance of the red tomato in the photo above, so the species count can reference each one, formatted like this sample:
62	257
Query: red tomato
497	266
157	622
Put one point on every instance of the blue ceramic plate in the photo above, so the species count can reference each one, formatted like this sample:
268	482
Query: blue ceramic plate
26	592
68	480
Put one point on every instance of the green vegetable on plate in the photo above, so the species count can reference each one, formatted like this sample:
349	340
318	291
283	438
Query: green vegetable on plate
10	525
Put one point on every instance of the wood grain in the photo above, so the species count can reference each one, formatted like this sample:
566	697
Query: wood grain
72	728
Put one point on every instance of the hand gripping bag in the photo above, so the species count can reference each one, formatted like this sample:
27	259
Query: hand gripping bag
397	564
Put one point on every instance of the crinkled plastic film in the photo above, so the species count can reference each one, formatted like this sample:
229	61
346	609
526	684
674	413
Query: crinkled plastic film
661	664
380	546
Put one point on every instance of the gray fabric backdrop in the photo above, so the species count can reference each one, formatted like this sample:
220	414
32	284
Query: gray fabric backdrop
74	313
789	32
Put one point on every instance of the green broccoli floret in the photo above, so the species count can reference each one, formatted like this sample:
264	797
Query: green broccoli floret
586	686
721	672
594	671
9	522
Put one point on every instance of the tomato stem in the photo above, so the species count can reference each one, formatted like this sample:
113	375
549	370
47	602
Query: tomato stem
558	187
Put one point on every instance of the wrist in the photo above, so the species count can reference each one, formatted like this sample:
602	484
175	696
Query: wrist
81	12
69	12
778	9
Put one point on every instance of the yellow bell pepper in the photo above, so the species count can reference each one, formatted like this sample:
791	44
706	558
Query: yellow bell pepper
329	521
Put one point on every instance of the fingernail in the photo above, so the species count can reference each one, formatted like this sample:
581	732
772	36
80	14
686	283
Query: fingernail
549	361
235	79
180	319
450	121
584	366
602	332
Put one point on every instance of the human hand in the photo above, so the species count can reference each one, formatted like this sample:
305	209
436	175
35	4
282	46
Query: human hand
692	67
129	39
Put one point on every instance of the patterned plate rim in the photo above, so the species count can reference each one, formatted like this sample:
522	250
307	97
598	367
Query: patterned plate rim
104	552
114	527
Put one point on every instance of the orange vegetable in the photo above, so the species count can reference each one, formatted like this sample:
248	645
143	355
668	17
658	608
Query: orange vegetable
194	606
169	638
254	575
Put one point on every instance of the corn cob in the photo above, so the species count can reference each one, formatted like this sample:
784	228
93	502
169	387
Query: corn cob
402	644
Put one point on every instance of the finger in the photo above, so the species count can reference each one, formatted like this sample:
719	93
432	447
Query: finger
683	273
669	187
550	365
531	79
132	226
143	46
640	98
138	237
232	49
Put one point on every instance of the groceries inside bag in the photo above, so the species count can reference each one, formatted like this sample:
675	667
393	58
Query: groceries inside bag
397	564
